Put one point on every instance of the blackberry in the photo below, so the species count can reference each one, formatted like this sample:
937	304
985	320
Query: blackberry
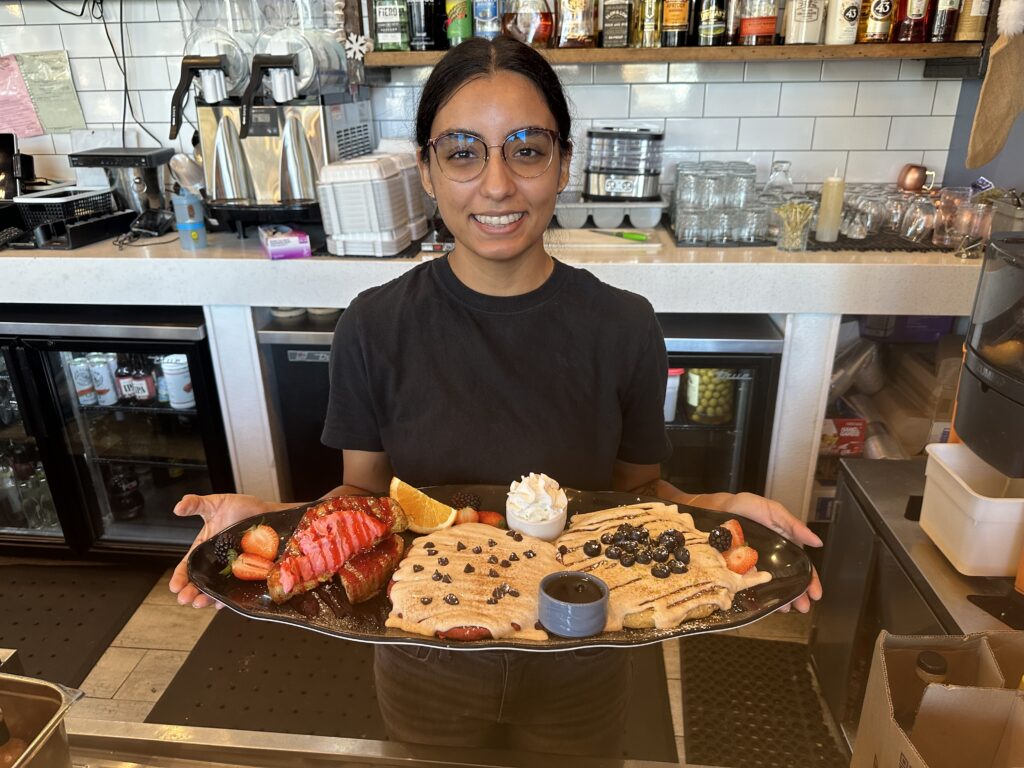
720	538
224	544
464	499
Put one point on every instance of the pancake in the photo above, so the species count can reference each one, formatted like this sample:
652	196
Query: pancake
637	598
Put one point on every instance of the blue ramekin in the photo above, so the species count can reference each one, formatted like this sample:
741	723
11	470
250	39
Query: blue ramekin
572	619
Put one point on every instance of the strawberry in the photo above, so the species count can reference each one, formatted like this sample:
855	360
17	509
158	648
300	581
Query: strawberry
466	515
733	526
492	518
740	559
261	540
250	567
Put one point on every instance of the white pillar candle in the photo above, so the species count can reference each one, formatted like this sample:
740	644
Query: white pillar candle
830	213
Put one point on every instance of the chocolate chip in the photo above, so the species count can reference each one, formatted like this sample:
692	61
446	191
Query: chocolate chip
417	568
426	600
446	579
562	549
451	599
468	569
429	545
477	550
442	561
513	593
513	557
494	601
460	546
493	559
510	533
498	593
505	587
517	536
492	543
529	553
431	552
492	573
437	576
505	564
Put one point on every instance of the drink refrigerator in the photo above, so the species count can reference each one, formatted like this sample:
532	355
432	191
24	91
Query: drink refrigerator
94	457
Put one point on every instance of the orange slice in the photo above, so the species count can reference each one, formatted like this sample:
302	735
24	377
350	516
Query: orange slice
426	515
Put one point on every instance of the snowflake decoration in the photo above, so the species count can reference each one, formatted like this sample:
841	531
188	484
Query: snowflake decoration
357	46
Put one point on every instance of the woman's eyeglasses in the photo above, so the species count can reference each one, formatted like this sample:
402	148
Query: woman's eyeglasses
463	156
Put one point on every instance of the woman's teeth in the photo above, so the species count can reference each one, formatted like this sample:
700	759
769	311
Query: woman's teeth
498	221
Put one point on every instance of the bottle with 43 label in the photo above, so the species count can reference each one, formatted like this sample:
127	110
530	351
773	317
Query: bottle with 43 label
875	21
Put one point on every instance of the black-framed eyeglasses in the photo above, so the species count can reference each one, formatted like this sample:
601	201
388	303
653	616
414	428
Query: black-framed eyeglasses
462	156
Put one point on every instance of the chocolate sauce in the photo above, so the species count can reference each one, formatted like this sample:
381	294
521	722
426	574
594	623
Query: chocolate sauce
574	589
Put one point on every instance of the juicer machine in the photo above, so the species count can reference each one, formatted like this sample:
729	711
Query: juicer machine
273	105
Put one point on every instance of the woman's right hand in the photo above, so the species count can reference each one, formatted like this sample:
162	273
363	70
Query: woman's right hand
218	510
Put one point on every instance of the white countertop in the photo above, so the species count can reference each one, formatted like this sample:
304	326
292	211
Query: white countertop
233	272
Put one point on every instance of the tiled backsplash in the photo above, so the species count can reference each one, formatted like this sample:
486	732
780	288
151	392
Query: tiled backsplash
866	118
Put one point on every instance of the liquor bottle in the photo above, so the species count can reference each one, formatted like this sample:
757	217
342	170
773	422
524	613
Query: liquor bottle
973	17
911	22
528	21
804	22
615	26
124	383
460	21
947	13
757	25
126	500
646	29
144	382
424	24
392	25
711	26
733	16
875	21
576	24
486	22
841	22
675	22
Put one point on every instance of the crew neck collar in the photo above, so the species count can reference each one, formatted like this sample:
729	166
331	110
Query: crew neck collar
501	304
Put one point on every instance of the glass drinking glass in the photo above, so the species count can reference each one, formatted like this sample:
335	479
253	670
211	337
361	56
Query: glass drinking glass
794	224
716	226
750	225
950	198
687	188
970	228
741	188
895	207
711	190
872	209
689	226
780	182
919	220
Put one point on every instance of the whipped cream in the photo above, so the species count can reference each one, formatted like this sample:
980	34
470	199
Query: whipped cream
535	498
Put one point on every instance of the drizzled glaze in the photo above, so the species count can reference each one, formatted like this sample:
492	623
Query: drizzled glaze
522	575
708	585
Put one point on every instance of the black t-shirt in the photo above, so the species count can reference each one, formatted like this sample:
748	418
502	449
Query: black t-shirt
458	387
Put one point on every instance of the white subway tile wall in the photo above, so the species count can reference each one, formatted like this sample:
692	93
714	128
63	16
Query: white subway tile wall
864	118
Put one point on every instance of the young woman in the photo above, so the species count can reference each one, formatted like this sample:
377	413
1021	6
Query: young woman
494	362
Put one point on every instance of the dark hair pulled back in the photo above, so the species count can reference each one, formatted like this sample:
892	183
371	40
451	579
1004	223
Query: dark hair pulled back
479	57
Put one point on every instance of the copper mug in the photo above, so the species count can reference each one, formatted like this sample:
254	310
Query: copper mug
914	178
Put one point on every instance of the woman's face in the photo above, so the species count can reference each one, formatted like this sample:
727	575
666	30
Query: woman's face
498	216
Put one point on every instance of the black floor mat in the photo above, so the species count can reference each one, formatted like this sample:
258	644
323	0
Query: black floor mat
751	704
261	676
61	618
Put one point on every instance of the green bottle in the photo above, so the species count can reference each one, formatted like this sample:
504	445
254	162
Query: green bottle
392	28
460	21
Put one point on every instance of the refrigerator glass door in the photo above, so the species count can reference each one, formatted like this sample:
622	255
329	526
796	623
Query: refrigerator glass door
27	509
136	434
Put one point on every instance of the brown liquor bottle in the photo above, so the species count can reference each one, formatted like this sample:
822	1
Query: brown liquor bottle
912	17
875	24
947	13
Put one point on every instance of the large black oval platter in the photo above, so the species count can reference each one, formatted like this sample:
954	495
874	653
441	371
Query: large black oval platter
327	610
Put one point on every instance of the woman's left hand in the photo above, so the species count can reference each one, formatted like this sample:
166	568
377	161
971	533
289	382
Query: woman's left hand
773	515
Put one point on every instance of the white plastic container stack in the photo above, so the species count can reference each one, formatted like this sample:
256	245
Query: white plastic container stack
973	513
405	153
364	207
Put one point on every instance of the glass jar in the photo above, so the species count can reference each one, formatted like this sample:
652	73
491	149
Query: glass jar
710	395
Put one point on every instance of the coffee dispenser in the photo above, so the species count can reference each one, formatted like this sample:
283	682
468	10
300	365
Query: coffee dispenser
990	400
273	106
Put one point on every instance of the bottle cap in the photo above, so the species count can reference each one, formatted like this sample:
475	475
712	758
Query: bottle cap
932	663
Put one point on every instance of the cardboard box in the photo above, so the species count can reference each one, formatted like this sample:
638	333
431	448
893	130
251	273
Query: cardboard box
281	242
975	719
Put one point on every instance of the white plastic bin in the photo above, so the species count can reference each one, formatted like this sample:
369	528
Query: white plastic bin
364	194
973	513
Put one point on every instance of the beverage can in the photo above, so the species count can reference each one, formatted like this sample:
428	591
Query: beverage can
460	21
112	363
81	378
102	380
179	382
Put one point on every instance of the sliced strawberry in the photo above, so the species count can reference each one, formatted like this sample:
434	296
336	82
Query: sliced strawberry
250	567
492	518
738	539
741	559
466	515
261	540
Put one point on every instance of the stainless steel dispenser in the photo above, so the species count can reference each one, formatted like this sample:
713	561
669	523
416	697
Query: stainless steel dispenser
990	400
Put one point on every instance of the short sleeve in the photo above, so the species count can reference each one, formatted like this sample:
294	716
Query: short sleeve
644	439
351	422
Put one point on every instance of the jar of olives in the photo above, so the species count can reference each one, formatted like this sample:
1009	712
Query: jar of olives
709	395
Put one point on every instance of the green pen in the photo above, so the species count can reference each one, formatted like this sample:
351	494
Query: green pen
638	236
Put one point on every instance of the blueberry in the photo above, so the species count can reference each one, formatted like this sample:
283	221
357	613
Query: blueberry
636	535
627	560
660	554
631	547
659	571
643	557
618	538
592	549
607	538
677	567
614	552
624	528
682	554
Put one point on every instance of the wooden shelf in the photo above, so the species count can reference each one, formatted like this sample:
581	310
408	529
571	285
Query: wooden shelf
721	53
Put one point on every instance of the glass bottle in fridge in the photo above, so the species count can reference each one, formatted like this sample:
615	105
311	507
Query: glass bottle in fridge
758	22
947	13
528	21
804	22
973	19
911	21
875	25
577	24
841	22
709	396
